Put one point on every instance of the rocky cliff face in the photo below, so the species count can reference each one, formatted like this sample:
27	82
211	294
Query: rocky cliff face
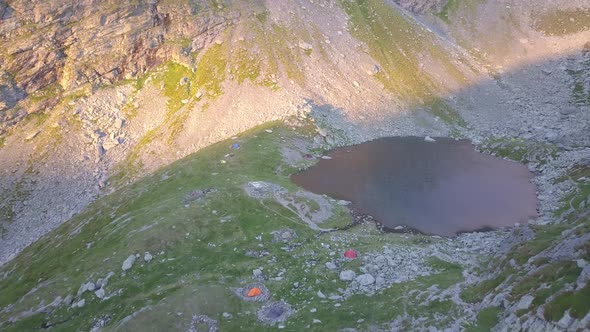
65	44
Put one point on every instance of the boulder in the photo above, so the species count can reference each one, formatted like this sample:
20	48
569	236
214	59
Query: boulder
128	263
347	275
365	279
525	302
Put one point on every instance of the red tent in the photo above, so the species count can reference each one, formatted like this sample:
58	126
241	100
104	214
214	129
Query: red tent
351	254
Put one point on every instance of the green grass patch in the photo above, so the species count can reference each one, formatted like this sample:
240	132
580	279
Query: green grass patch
39	118
174	90
556	274
562	22
580	90
445	112
487	318
545	236
476	293
210	72
274	44
521	150
576	302
50	91
575	203
245	65
448	10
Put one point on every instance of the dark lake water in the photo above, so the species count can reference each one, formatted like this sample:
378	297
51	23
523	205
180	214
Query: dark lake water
444	187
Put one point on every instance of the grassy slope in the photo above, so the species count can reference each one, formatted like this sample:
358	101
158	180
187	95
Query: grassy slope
397	44
201	258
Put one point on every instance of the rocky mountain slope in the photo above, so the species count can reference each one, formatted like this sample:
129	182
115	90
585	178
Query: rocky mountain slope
94	95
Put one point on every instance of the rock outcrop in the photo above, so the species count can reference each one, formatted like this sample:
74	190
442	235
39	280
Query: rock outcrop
100	42
422	6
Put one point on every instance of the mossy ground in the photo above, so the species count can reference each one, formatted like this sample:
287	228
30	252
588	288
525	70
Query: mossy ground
521	150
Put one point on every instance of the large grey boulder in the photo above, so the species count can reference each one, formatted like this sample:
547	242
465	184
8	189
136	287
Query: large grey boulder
128	263
347	275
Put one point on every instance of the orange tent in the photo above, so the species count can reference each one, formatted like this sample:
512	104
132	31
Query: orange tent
254	292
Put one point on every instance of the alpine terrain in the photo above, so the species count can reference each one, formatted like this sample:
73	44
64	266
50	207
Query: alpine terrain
147	149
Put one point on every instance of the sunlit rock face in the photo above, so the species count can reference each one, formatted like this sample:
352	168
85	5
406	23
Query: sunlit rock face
73	43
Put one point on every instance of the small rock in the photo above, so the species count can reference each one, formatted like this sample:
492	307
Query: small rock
429	139
365	279
317	321
118	123
335	297
226	315
32	135
100	293
525	302
128	263
331	266
321	295
101	283
551	136
565	321
305	46
347	275
147	257
379	281
312	310
79	304
381	260
256	273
